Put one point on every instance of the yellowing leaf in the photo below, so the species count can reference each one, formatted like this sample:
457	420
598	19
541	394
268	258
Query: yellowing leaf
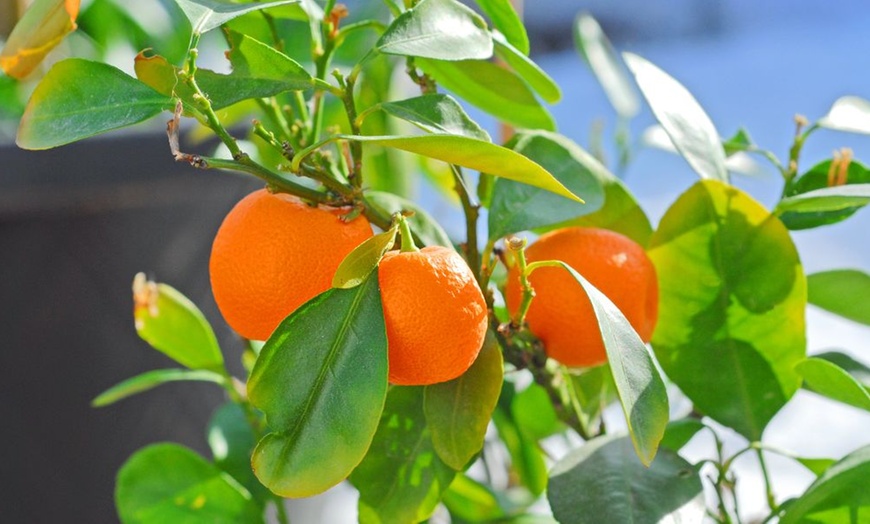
42	27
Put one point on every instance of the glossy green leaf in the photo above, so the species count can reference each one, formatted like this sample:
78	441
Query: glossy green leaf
858	370
518	207
492	88
401	478
844	292
150	380
41	28
817	465
321	380
426	228
258	62
474	154
205	15
232	440
839	495
840	199
441	29
527	461
506	19
436	113
471	501
602	481
689	127
170	483
828	379
592	390
732	298
458	411
529	71
173	325
78	99
679	432
360	262
848	113
741	141
598	52
640	388
826	194
532	411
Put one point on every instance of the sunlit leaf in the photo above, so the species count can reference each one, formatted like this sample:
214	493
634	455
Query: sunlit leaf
205	15
732	298
173	324
828	379
321	380
492	88
436	113
532	411
474	154
255	60
848	113
506	19
472	501
527	461
529	71
844	292
839	495
458	411
170	483
426	228
602	481
40	29
150	380
518	207
401	478
78	98
605	64
360	262
441	29
858	370
689	127
640	388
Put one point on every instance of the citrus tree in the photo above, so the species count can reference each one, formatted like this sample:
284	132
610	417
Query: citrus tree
421	368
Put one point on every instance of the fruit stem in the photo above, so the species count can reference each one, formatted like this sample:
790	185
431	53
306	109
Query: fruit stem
408	245
518	246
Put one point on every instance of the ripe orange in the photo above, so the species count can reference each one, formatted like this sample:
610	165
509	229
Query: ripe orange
561	314
272	254
435	315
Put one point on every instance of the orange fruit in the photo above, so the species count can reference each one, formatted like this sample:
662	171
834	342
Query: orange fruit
561	314
435	315
272	254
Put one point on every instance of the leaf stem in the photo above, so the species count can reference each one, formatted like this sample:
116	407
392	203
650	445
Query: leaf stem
245	165
355	176
472	212
768	485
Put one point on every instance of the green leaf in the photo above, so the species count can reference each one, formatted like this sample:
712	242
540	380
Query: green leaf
506	19
401	478
603	481
817	465
844	292
532	411
598	52
492	88
205	15
257	62
640	388
850	114
518	207
732	297
150	380
680	432
78	99
173	325
858	370
529	71
472	501
682	117
741	141
826	194
170	483
592	390
474	154
458	411
437	113
830	380
41	28
232	441
422	224
526	458
321	380
441	29
839	495
360	262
